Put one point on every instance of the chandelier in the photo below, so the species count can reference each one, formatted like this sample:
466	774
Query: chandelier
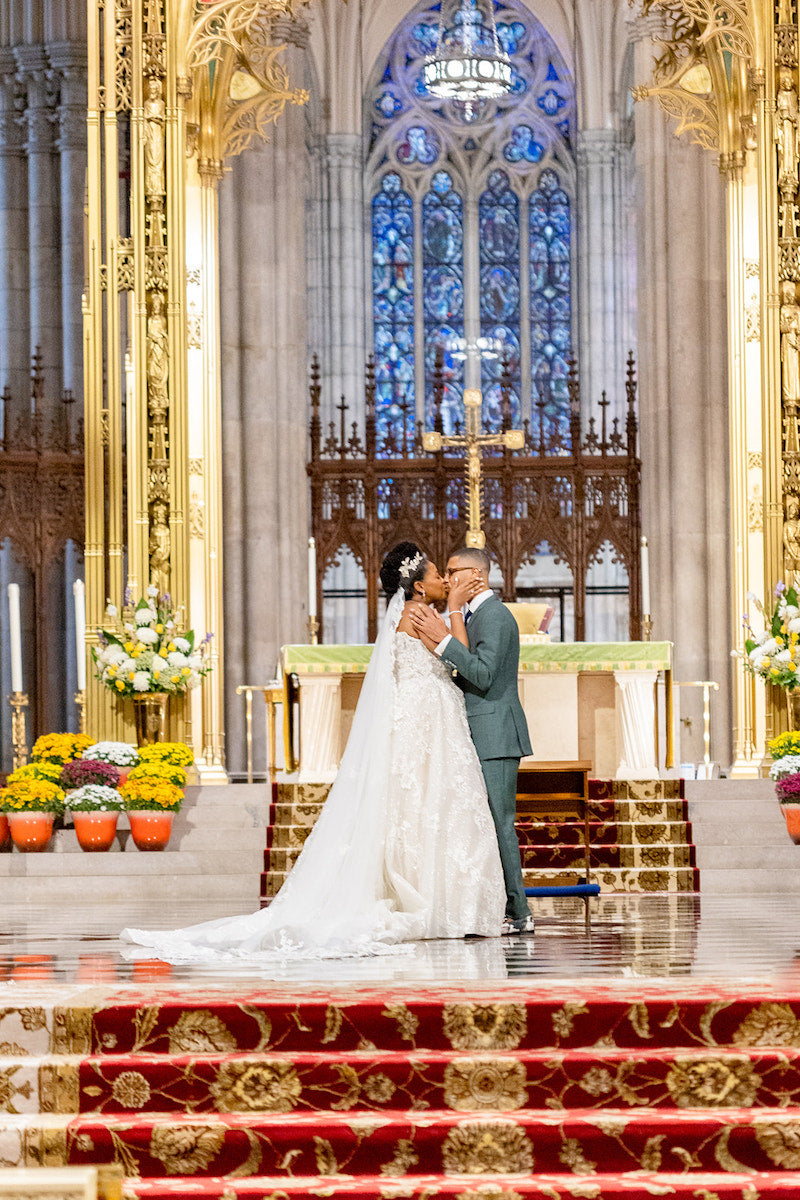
469	64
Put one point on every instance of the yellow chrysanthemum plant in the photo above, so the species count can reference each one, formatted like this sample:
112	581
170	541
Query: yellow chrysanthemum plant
177	754
60	748
146	650
151	792
160	770
774	655
51	771
30	794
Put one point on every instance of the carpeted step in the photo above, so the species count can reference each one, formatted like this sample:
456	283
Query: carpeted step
599	810
429	1142
302	1082
558	856
539	833
657	876
405	1019
280	860
603	833
774	1185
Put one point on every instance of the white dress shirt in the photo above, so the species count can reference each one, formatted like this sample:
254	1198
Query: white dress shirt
472	607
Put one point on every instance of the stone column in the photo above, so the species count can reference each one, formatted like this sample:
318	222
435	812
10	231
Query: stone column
683	404
605	321
43	215
15	338
264	406
69	63
337	274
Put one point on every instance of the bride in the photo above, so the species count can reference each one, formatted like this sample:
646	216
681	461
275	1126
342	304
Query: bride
405	846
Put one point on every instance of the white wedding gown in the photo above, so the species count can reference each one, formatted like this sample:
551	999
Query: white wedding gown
404	848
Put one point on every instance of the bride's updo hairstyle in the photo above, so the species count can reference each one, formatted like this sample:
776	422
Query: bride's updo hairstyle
403	566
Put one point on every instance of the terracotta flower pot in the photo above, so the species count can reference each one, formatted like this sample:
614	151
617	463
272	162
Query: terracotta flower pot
4	834
31	831
791	815
150	829
95	830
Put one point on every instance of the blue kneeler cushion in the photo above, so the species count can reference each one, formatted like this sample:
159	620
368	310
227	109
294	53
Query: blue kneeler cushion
575	889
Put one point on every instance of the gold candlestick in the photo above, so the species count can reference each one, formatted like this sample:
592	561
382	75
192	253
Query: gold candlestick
80	700
647	627
19	742
312	625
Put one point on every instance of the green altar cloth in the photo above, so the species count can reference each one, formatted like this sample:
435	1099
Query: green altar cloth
569	658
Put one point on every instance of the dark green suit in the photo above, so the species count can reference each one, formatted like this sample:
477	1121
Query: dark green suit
487	675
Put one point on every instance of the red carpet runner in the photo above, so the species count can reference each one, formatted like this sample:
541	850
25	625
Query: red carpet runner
603	1093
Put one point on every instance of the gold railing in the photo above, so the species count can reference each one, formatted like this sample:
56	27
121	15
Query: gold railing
273	695
706	685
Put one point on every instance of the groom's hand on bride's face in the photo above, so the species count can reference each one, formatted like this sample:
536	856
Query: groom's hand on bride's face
429	625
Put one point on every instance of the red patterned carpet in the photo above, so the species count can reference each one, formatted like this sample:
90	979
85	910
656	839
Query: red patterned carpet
669	1088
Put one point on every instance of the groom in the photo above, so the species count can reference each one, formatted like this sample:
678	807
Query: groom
487	674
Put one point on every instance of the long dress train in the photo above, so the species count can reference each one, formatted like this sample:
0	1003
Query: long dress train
404	847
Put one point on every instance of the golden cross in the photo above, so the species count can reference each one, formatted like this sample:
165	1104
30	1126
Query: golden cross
473	440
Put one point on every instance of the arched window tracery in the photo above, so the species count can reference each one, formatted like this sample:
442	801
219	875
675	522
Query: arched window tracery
471	226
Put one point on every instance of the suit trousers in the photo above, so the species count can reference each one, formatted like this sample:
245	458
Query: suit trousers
501	784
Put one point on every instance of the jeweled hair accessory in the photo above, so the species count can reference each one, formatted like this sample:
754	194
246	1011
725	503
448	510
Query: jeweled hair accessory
409	565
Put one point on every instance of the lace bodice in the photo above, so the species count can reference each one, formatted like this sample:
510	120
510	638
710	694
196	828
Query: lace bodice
438	809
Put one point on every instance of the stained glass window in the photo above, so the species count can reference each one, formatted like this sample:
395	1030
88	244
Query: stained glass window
471	226
550	296
393	301
498	224
443	290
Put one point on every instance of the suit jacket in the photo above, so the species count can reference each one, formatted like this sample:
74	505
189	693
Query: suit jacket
487	675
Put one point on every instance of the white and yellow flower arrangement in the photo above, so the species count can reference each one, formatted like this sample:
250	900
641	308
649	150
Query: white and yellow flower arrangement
147	651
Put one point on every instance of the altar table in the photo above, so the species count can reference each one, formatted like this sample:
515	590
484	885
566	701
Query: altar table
583	700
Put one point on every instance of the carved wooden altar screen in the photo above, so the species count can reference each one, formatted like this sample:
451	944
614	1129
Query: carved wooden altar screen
576	490
41	510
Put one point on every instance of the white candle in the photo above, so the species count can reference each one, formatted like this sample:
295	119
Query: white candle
15	637
645	578
79	592
312	578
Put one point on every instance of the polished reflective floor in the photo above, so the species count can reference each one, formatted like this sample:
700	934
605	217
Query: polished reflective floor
678	937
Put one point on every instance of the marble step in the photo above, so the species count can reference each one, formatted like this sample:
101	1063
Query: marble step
751	881
131	862
762	856
209	838
241	890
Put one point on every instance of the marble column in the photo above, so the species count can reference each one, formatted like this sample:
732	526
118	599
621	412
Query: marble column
337	272
44	278
264	407
682	339
68	61
604	311
14	328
